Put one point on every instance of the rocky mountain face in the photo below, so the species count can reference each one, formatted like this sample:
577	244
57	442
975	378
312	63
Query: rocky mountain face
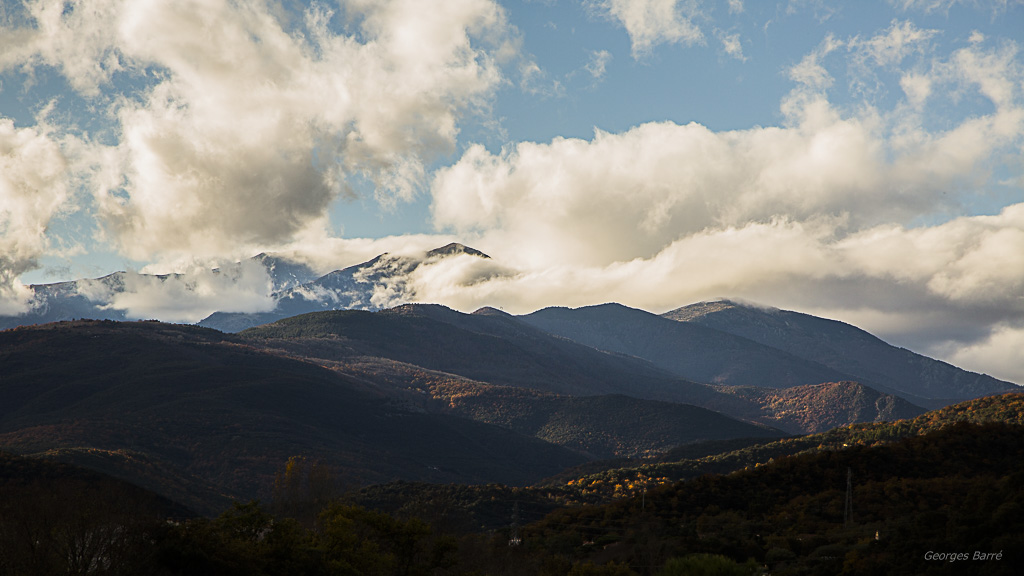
373	285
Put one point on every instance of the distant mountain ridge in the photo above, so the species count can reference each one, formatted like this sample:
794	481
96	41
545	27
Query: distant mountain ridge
721	356
809	350
495	349
68	301
296	287
845	348
691	351
93	298
492	347
372	285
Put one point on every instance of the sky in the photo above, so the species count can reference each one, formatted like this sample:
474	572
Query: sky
862	161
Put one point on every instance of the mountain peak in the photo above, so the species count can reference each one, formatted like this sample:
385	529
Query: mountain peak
490	311
453	249
699	310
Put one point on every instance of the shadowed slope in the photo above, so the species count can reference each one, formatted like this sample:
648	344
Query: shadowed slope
493	349
223	413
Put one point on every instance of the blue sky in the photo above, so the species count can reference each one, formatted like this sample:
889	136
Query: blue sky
857	160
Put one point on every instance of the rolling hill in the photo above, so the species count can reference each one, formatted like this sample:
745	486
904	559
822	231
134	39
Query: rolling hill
495	348
723	457
821	407
220	413
956	490
487	348
604	426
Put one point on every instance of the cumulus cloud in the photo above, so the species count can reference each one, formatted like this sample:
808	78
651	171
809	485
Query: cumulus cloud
247	126
463	281
653	22
75	38
624	196
33	190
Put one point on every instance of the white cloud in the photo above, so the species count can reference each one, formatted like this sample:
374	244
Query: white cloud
969	260
598	64
249	128
944	6
653	22
624	196
74	37
324	253
917	87
619	197
890	47
997	355
731	44
190	296
33	190
997	74
887	51
810	73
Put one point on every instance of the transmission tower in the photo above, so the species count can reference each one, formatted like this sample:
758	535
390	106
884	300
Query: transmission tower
848	507
514	539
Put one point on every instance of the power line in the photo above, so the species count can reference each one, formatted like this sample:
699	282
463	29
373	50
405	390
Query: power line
848	507
514	539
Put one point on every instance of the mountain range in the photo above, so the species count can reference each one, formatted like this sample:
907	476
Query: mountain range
721	342
421	392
